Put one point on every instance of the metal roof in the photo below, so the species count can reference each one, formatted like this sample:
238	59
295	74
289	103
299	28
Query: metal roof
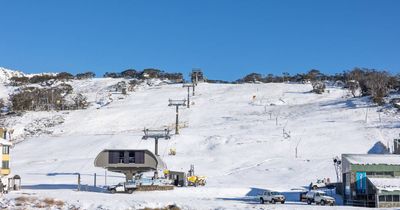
386	184
372	159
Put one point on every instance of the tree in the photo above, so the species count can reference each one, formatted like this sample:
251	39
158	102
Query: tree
269	78
41	78
377	84
80	101
64	88
318	87
252	77
130	73
359	75
151	73
314	75
177	77
286	76
64	76
85	75
17	81
112	75
353	86
394	82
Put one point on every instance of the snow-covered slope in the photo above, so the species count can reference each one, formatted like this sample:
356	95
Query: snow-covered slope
6	74
242	137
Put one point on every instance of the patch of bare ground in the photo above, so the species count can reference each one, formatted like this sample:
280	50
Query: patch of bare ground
24	201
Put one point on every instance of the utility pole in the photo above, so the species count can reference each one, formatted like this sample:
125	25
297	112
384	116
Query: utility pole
94	182
79	181
105	177
156	134
177	104
188	85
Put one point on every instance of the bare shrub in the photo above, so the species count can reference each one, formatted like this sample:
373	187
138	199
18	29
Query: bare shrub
24	200
17	81
50	202
377	84
353	86
36	99
40	99
318	87
80	101
41	78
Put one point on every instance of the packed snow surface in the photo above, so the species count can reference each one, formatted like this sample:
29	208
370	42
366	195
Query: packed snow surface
243	137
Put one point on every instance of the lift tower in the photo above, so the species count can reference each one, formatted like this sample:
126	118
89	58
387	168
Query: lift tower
177	104
188	85
156	134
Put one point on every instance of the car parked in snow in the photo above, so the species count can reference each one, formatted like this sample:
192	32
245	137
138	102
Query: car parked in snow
320	198
272	197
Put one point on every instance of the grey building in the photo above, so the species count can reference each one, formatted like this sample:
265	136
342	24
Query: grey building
371	180
129	161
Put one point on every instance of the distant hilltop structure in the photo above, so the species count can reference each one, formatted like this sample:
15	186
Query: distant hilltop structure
197	76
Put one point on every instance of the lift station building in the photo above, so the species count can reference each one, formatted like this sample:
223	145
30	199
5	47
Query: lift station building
371	180
129	161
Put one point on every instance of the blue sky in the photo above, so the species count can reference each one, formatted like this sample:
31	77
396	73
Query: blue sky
226	38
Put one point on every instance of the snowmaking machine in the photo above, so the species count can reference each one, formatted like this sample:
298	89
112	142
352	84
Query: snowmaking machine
194	180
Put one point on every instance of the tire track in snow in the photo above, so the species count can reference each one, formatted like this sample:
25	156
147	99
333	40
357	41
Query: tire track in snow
239	169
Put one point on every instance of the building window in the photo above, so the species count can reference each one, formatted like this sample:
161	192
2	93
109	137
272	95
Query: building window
380	173
131	157
121	157
5	164
396	198
371	197
114	157
382	198
126	157
139	157
6	149
389	198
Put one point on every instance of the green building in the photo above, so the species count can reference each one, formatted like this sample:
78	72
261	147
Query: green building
371	180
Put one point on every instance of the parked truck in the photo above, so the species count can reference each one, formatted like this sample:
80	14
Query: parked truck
272	197
126	187
319	197
142	184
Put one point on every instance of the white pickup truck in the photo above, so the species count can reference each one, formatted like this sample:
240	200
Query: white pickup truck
272	197
319	197
126	187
